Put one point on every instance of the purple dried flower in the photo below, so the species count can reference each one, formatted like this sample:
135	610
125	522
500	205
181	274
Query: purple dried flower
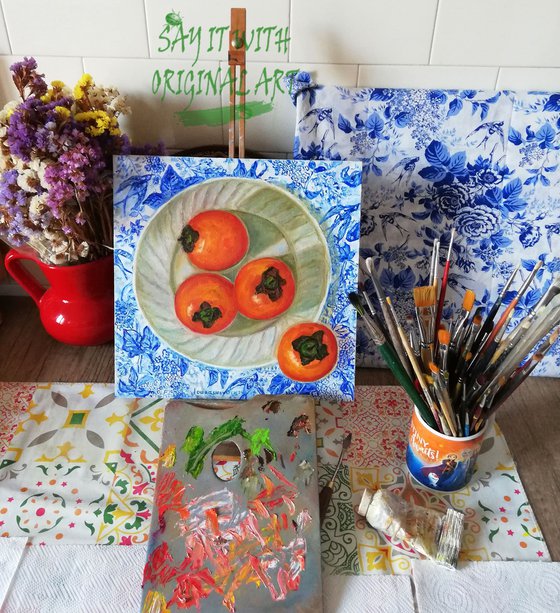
62	191
26	78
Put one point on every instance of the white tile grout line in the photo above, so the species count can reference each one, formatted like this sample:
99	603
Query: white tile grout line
6	26
434	33
147	29
290	29
497	77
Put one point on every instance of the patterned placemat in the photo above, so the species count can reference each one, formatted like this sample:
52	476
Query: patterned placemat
80	468
499	521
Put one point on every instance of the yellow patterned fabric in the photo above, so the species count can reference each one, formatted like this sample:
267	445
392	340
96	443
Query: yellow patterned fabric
79	466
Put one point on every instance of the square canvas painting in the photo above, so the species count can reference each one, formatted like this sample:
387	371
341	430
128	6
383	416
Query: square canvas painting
232	276
235	525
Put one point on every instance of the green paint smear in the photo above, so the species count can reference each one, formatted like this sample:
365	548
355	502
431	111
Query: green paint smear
198	447
259	439
220	116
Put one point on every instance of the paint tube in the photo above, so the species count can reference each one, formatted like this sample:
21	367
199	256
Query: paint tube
434	534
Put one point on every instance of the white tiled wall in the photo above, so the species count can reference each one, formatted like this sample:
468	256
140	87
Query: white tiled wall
133	44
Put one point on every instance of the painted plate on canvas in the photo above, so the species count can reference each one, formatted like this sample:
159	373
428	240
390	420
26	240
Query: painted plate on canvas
278	226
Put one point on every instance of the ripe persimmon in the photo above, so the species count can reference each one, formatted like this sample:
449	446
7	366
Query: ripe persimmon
264	288
307	352
205	303
215	240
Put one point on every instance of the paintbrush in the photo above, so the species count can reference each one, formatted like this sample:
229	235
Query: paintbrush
466	348
487	355
416	367
461	376
327	492
425	301
460	327
413	335
444	336
434	263
390	357
489	321
443	398
442	422
550	297
544	323
524	371
391	328
444	282
511	306
373	312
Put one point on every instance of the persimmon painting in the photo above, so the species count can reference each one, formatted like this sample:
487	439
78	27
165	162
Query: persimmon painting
232	277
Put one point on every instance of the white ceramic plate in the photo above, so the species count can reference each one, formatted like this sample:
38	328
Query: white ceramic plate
278	226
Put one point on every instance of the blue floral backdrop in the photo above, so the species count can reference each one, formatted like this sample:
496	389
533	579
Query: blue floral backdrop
484	162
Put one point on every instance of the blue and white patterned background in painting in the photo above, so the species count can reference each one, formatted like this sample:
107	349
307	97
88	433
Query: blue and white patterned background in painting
485	162
144	364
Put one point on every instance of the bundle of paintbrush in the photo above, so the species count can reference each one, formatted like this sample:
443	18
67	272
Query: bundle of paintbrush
458	375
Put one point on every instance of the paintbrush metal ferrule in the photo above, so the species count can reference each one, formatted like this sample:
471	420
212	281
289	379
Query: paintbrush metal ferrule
433	261
443	342
424	299
472	334
444	280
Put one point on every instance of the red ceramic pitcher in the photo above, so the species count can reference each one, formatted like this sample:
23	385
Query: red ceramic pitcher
77	308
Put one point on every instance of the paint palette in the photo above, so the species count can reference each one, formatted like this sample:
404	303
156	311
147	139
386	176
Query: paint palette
235	525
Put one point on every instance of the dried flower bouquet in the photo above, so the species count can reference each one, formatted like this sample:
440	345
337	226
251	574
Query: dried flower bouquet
56	149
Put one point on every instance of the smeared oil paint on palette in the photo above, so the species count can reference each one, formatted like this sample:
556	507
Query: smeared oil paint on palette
248	541
232	277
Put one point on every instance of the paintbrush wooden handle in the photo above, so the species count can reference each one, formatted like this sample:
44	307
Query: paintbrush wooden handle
325	500
500	323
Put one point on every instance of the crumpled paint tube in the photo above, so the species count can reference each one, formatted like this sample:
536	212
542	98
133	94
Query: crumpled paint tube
432	533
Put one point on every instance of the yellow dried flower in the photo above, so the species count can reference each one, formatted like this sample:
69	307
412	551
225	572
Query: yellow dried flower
63	111
57	84
100	122
85	81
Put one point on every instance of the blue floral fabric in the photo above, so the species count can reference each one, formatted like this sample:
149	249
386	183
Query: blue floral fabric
484	162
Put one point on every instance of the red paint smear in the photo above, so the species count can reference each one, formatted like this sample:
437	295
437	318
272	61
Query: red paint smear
281	477
221	557
157	569
191	588
258	507
169	496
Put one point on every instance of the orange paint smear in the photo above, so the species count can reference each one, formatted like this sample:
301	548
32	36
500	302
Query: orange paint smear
212	521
